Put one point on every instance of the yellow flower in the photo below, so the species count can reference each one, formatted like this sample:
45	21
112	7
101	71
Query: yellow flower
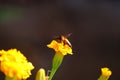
14	64
106	72
62	48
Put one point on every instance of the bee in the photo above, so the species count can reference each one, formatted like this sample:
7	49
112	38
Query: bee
64	39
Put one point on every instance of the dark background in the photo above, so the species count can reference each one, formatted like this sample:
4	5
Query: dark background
29	25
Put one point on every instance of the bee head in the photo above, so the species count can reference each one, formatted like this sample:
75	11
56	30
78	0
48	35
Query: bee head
64	39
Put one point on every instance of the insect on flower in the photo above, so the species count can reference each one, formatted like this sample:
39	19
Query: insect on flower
64	39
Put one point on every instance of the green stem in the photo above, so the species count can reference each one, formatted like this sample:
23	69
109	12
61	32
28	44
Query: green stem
57	60
102	78
9	78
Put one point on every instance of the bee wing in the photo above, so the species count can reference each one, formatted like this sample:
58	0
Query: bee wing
68	42
68	35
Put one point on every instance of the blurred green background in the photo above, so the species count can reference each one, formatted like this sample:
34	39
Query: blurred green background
29	25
